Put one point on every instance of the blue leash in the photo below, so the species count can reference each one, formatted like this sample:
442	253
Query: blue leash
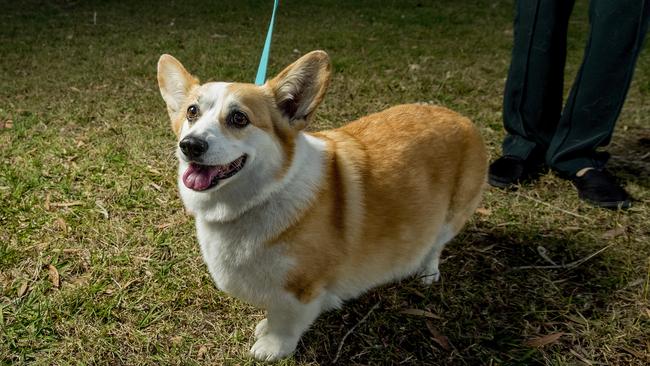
264	60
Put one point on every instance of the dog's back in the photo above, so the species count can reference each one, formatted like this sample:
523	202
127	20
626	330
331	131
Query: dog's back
401	183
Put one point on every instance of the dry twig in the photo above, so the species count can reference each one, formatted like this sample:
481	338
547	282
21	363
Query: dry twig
555	207
571	265
338	352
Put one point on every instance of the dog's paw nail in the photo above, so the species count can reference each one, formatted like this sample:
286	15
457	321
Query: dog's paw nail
272	348
261	328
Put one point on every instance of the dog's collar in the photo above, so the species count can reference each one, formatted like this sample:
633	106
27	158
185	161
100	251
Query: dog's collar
264	60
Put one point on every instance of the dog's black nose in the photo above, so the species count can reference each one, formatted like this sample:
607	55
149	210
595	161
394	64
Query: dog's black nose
193	147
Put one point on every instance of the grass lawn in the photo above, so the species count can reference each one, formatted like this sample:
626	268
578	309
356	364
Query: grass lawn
100	265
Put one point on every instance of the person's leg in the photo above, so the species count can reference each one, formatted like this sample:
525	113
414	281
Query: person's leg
533	93
597	95
596	98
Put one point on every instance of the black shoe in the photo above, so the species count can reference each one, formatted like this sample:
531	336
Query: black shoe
508	171
600	188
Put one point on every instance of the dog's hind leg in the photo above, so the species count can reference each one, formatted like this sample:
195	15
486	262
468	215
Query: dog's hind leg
430	272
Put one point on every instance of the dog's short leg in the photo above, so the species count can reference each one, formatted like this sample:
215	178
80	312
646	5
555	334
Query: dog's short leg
262	328
430	272
279	333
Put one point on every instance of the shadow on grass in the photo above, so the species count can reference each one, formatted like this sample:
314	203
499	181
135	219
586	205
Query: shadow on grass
484	308
631	157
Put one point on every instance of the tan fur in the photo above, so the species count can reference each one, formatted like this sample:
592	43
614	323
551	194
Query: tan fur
296	77
392	180
262	111
386	165
319	217
190	84
178	117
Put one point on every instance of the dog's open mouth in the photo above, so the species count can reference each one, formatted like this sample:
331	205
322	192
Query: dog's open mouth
201	177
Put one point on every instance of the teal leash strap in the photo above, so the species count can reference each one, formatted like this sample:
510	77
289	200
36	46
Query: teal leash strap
264	60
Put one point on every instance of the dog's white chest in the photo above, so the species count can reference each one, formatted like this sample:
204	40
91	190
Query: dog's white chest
240	266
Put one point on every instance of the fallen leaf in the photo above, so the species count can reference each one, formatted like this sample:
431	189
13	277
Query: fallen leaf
129	284
165	225
67	250
571	228
47	202
581	357
61	225
6	124
485	249
153	170
155	186
176	340
23	289
543	340
419	293
79	281
54	275
617	231
102	210
414	67
438	337
202	351
418	312
632	352
483	211
66	204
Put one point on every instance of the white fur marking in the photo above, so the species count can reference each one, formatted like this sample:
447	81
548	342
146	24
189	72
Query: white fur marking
430	265
234	250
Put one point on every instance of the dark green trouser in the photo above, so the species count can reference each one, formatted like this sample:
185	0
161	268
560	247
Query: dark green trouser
532	107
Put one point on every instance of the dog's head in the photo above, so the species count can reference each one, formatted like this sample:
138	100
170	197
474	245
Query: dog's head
236	139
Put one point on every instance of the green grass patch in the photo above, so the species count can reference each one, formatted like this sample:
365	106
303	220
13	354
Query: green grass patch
88	187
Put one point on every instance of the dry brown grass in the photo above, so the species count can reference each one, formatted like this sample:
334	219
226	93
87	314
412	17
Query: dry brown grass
87	187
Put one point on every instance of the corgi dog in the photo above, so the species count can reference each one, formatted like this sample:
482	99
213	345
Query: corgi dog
297	222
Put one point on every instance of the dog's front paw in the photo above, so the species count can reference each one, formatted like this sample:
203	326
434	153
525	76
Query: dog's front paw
271	347
262	328
429	278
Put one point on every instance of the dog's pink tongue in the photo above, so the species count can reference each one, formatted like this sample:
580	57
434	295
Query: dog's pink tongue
199	177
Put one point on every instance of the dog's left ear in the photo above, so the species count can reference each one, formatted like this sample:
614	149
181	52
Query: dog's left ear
175	83
300	88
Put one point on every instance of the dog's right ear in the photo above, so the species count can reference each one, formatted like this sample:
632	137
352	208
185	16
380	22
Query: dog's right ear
175	83
300	87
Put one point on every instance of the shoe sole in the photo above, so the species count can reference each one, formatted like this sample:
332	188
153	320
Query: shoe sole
495	182
528	177
611	205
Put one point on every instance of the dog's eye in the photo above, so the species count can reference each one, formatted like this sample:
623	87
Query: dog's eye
238	119
192	112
